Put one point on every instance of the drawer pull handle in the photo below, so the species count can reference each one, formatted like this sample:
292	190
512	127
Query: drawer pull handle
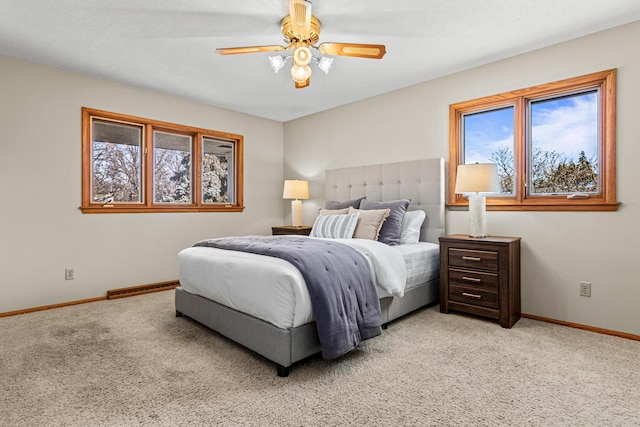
471	258
465	294
471	279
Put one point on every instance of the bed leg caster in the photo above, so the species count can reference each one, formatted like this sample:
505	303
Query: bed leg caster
178	314
283	371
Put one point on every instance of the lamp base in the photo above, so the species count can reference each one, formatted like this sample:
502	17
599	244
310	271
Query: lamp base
296	213
477	216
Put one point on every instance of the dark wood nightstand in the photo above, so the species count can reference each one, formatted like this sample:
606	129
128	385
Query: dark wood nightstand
481	276
303	230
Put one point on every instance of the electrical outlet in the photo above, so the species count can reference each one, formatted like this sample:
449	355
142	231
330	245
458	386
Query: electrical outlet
585	289
69	274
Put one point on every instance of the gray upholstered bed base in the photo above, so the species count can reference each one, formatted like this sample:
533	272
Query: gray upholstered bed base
285	346
422	181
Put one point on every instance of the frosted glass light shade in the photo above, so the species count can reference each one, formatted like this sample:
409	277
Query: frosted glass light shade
325	64
300	74
276	62
302	56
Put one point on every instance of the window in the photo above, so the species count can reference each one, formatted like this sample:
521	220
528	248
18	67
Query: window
131	164
553	144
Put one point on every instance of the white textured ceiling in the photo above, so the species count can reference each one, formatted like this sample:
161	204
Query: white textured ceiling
168	45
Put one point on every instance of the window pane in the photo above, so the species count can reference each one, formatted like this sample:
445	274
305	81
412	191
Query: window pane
116	161
217	171
171	168
488	138
564	144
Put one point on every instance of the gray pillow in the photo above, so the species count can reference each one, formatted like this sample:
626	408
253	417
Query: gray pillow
355	203
333	211
392	227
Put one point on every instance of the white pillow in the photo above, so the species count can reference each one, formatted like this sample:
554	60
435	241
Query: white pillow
411	223
335	226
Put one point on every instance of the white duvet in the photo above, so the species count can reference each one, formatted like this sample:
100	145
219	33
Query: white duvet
273	289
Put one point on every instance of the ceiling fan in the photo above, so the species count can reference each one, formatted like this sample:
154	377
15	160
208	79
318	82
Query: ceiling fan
301	32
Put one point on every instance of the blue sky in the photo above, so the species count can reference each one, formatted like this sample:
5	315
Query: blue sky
486	132
566	125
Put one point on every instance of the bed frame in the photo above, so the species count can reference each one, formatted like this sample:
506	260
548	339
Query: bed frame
422	181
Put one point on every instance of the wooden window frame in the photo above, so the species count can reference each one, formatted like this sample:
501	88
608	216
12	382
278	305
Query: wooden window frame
605	200
147	204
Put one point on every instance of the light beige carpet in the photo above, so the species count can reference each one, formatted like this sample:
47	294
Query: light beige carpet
132	362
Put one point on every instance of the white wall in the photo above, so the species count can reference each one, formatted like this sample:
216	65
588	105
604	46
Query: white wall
559	249
42	231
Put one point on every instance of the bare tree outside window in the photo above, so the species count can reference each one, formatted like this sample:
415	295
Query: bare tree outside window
214	179
172	168
552	172
553	144
503	158
563	130
130	164
116	163
217	168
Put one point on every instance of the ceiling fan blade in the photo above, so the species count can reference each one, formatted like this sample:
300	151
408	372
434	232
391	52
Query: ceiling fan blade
300	11
373	51
247	49
303	84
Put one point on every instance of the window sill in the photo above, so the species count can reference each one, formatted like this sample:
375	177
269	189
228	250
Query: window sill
575	206
145	209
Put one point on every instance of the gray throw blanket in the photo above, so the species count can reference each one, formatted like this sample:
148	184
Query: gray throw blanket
343	296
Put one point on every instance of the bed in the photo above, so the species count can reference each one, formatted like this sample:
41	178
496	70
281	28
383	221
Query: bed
285	342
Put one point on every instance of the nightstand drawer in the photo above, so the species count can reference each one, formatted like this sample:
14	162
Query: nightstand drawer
473	296
486	260
473	278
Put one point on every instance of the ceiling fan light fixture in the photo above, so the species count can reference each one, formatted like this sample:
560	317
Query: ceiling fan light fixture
301	33
277	62
302	55
300	74
325	63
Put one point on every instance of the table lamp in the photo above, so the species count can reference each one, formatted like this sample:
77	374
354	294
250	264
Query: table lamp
296	189
476	178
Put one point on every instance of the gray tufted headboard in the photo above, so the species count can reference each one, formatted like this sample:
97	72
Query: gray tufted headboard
422	181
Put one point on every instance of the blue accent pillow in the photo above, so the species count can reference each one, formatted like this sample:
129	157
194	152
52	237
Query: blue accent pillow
335	226
392	227
333	205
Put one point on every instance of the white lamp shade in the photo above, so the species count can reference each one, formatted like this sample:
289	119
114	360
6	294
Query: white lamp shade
295	189
477	178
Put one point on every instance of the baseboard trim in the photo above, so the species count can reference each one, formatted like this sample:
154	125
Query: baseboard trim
112	294
172	284
143	289
49	307
583	327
